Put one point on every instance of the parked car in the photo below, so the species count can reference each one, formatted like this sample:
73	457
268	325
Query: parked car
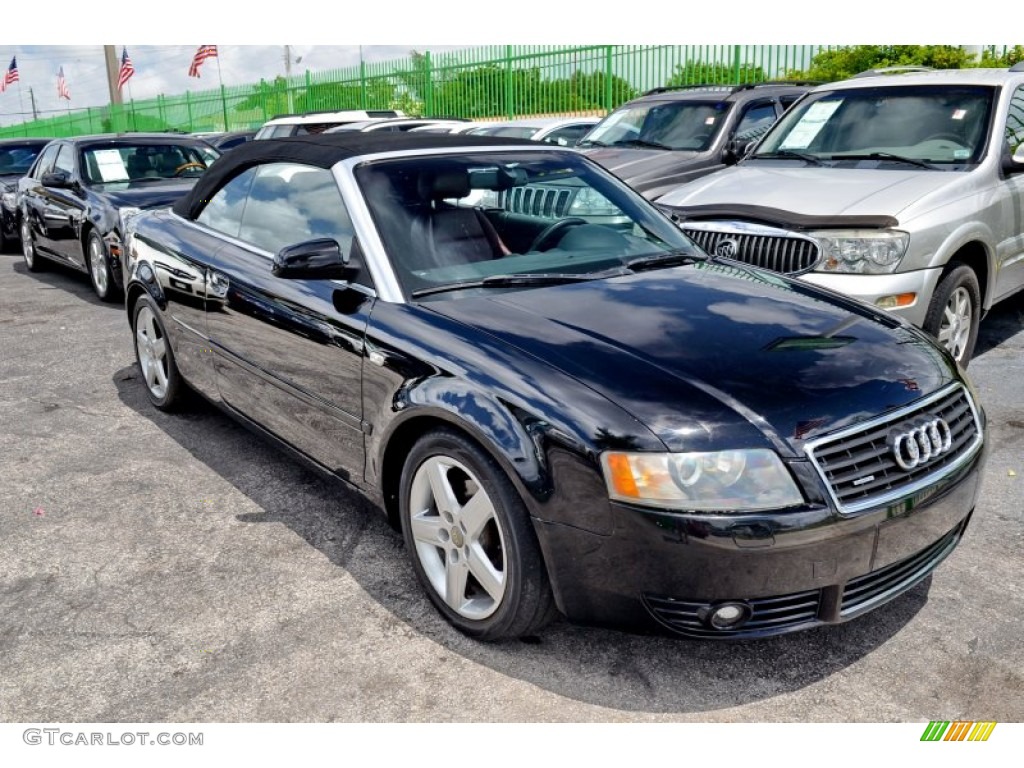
903	190
79	191
461	126
671	136
562	414
227	140
16	157
282	126
563	131
396	124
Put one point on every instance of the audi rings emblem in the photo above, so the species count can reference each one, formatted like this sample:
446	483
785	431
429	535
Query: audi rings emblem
917	442
727	249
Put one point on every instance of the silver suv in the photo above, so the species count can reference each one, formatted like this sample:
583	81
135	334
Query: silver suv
903	190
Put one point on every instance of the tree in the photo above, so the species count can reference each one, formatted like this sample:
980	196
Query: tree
696	72
846	61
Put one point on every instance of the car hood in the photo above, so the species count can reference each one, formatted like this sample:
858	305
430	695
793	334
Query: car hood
814	191
712	354
643	169
152	194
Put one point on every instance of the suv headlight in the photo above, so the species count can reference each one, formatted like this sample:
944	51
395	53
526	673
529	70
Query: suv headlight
719	481
866	252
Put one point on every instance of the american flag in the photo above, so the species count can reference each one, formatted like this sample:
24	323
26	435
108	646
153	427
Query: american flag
205	52
11	76
126	71
62	86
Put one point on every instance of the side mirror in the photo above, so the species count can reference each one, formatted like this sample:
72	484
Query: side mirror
1015	162
320	259
57	180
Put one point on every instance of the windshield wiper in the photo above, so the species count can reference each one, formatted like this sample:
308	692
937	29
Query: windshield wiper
503	281
642	143
787	154
592	143
886	156
672	258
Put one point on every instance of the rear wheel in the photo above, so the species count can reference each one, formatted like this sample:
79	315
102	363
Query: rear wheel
955	311
28	247
472	544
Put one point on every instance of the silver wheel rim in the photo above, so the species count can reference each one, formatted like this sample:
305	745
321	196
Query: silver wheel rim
955	329
98	266
151	347
458	538
27	250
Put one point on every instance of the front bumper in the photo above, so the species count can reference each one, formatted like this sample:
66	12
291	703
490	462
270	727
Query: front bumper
792	570
871	288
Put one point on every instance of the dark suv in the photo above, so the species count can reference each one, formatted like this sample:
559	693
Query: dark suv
670	136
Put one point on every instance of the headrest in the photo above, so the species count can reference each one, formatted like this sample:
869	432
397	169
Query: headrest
445	184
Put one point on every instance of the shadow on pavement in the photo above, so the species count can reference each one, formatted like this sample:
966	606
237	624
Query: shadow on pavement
58	276
614	669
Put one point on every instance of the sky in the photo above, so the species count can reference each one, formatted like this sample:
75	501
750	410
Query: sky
251	43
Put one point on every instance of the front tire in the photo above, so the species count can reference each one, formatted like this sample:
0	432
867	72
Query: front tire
155	357
472	544
100	274
955	312
28	248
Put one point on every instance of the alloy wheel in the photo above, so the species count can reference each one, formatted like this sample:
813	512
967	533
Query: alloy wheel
458	537
28	250
151	347
955	328
98	266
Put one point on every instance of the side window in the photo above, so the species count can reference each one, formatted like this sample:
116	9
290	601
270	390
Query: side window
65	160
1015	120
787	101
224	211
45	164
568	136
756	120
291	203
285	129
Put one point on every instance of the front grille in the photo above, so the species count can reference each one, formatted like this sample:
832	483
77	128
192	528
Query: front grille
550	202
860	468
779	253
769	615
866	592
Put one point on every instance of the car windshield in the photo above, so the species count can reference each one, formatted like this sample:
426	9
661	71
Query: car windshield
929	126
684	125
511	219
16	160
134	162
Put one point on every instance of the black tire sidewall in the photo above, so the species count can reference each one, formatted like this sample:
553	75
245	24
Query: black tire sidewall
111	291
525	575
958	276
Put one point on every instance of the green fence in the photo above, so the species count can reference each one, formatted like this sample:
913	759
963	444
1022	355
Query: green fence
491	82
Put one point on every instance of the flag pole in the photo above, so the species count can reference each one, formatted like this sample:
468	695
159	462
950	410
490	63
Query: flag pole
131	100
223	97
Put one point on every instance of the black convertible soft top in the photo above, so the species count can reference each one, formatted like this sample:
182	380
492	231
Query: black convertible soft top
322	150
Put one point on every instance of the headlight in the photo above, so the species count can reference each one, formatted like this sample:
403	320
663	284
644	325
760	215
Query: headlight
868	252
720	481
589	202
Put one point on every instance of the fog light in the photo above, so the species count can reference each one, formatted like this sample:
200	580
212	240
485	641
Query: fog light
899	300
729	615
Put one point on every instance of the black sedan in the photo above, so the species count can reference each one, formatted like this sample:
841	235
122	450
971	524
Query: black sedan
79	191
566	417
16	157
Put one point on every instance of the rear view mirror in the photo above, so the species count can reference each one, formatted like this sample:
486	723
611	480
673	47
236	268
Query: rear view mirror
320	259
57	180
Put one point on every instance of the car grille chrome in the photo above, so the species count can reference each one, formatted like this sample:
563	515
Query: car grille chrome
779	252
550	202
769	615
866	592
860	466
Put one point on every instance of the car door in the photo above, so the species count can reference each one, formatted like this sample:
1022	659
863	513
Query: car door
33	194
63	210
288	353
1010	194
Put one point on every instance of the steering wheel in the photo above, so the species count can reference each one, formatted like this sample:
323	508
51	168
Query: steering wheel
549	232
186	166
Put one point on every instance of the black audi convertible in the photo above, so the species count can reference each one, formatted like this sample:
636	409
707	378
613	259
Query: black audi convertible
560	415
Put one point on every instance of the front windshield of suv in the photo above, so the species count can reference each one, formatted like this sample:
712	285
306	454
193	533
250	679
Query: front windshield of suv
113	163
477	221
940	127
683	125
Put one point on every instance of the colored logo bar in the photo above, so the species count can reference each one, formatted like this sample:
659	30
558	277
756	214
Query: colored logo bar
958	730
